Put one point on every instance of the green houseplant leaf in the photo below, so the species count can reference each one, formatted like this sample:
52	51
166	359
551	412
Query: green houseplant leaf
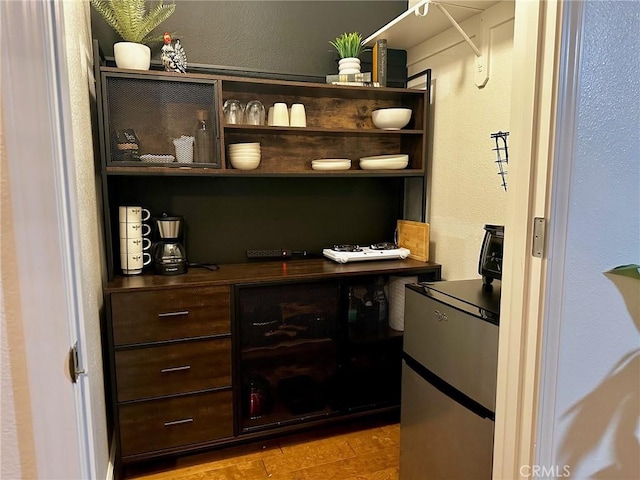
348	44
130	19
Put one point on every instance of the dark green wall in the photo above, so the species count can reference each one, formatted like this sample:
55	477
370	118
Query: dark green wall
286	37
225	216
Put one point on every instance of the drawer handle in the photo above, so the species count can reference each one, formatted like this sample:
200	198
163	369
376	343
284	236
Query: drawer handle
178	422
175	369
174	314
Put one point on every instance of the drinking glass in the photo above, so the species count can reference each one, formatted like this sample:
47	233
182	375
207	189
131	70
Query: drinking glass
233	112
254	113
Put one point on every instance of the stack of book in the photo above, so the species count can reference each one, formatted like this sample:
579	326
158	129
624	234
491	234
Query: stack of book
380	62
363	79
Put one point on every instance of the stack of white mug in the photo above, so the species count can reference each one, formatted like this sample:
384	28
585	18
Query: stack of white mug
134	239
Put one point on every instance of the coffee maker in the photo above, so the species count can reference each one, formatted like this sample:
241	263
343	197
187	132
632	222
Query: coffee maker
490	264
169	254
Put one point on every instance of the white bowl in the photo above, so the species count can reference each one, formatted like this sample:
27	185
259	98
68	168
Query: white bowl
244	147
242	154
247	144
385	162
391	118
150	158
244	150
331	164
245	156
244	164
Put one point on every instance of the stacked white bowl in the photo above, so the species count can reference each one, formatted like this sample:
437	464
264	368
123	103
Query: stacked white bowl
244	156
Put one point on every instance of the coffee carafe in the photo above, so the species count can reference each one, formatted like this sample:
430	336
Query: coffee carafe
169	255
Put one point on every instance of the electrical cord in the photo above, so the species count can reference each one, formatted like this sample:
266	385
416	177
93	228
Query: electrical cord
209	266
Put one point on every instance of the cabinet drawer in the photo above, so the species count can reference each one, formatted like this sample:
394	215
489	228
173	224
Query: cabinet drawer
152	316
170	369
174	422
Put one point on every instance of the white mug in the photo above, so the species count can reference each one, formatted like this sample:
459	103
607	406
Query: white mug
270	117
133	214
134	245
134	230
132	263
280	115
298	116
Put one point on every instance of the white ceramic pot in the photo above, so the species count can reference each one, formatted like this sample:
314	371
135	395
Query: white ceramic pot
349	65
134	56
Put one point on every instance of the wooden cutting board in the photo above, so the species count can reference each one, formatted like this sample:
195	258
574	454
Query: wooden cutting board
415	237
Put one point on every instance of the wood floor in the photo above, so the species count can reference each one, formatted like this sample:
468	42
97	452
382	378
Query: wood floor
358	452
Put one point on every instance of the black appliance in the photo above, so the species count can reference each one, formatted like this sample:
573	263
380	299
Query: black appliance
490	264
449	370
169	254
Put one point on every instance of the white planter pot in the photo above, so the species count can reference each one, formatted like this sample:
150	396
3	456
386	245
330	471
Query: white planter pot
134	56
349	65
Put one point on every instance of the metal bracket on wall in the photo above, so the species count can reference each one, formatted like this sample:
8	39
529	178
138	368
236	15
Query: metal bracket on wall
481	70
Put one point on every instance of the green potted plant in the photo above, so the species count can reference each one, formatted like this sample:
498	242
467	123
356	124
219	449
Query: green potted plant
349	46
135	24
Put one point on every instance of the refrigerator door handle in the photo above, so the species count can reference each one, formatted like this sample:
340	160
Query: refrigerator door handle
451	392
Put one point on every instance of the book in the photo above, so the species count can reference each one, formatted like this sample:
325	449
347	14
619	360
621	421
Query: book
349	77
380	62
357	84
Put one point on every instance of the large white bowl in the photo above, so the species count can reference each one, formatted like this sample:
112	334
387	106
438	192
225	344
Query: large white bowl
391	118
331	164
244	164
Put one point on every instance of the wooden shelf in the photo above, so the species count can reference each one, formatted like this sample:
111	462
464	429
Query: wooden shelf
259	172
287	348
318	131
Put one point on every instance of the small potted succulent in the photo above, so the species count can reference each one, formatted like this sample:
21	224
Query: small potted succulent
349	46
135	24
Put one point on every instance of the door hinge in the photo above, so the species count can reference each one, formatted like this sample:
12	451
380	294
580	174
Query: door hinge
74	364
537	245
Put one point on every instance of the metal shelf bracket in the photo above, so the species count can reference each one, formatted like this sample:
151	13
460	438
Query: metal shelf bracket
481	70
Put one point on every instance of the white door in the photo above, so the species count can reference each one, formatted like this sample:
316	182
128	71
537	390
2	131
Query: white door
41	259
568	346
537	36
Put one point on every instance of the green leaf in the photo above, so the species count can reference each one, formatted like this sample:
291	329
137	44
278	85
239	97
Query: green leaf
130	19
348	44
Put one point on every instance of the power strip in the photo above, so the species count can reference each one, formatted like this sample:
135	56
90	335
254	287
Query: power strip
281	253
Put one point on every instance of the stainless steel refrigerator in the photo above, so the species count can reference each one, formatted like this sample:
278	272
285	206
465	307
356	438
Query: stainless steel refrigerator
449	380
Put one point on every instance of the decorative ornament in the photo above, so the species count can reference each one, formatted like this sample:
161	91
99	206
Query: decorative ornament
173	56
501	147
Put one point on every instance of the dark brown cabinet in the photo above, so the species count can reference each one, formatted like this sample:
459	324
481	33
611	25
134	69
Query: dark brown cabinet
247	351
288	336
215	358
173	424
161	106
162	315
172	368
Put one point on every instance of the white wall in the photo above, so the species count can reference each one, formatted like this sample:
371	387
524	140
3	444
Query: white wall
78	43
17	458
597	397
465	191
